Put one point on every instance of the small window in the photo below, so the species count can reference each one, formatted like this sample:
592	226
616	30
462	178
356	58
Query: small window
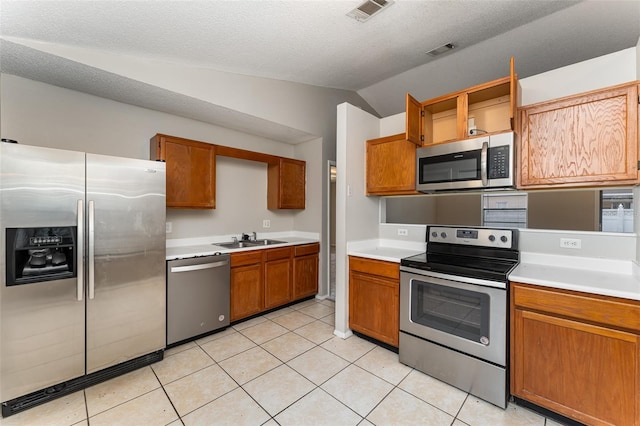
616	210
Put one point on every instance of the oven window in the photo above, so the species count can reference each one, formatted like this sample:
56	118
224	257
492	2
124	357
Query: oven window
451	167
452	310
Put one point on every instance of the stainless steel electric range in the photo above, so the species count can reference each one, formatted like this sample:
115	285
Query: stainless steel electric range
453	308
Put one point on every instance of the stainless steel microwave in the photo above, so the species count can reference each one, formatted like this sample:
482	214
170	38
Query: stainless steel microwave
479	163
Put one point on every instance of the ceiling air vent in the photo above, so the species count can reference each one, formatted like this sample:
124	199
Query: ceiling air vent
369	8
440	50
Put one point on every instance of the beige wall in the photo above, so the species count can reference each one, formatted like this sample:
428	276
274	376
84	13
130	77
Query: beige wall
416	210
39	114
459	210
568	210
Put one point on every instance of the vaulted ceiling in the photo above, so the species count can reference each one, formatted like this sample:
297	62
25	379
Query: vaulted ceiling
315	42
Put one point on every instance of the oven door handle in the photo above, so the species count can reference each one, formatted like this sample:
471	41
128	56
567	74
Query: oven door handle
455	278
483	163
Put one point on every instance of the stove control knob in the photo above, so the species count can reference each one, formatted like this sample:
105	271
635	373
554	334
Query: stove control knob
443	234
434	234
492	238
504	238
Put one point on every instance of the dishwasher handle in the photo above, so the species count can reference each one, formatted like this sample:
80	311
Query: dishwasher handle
199	267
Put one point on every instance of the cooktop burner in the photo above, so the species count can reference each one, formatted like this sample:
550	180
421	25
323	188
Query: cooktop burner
486	253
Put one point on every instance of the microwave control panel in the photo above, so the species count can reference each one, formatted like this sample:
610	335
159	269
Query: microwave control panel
498	160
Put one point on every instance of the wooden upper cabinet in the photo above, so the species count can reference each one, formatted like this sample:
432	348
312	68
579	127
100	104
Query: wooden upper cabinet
414	120
286	184
191	171
485	108
390	166
583	140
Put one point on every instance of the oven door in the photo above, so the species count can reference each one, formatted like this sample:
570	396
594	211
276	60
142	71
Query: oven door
469	318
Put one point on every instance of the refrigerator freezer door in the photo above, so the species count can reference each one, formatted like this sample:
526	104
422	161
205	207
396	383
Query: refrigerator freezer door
42	323
126	316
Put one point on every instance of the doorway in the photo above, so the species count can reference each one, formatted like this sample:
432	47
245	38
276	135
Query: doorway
331	229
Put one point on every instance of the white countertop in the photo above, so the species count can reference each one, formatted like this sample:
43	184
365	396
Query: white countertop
609	277
205	246
387	250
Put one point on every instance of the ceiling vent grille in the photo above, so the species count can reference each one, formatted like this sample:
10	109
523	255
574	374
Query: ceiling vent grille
369	8
440	50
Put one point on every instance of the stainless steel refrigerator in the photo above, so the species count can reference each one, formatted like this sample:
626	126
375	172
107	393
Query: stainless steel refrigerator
82	264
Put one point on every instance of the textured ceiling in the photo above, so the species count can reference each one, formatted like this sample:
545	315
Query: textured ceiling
311	42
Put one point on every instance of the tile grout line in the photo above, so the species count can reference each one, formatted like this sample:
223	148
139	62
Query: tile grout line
167	395
86	406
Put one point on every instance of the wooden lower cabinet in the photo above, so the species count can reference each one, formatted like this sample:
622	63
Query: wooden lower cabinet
374	293
247	289
576	354
305	270
268	278
277	277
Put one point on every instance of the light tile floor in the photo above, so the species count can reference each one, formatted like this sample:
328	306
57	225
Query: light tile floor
283	368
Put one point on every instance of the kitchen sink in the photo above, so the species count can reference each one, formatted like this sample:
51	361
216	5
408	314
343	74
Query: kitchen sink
234	244
264	242
248	243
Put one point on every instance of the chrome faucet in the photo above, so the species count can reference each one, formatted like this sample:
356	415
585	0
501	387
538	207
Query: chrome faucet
254	236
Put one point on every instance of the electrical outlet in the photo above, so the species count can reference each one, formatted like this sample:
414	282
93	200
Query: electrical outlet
471	126
266	223
572	243
169	227
402	231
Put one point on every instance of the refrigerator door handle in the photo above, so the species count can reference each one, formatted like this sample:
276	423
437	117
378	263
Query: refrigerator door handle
91	251
80	251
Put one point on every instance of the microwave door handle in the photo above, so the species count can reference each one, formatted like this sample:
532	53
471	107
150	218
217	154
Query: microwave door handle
483	164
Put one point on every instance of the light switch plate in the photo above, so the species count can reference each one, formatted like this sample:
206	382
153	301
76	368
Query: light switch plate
266	223
169	227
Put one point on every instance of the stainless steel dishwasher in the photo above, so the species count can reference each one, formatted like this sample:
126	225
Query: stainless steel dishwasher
198	296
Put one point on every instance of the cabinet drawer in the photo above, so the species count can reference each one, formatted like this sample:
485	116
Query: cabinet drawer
277	253
306	249
246	258
375	267
615	312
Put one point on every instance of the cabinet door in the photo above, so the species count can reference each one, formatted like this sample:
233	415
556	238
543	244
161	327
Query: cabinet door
586	372
305	270
277	282
391	166
414	121
190	169
286	184
374	308
589	139
513	93
247	296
